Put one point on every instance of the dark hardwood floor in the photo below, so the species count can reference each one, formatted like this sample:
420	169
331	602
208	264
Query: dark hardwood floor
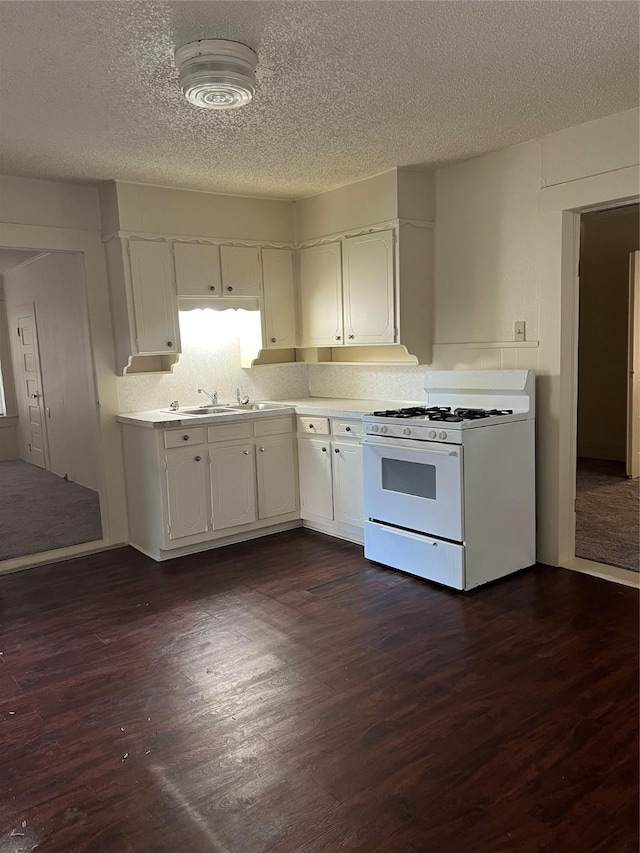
287	695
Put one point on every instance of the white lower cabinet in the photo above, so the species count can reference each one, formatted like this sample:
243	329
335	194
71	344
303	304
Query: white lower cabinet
233	490
190	486
316	490
276	473
187	482
331	483
347	483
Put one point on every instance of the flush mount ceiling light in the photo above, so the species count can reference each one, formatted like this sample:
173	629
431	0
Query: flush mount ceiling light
216	74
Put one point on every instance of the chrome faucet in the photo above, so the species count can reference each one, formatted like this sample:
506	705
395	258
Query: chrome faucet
213	397
242	401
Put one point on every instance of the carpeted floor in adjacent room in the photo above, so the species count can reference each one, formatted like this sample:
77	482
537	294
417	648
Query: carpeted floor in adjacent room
40	511
607	525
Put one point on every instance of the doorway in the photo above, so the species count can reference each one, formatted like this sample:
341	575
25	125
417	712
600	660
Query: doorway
607	430
49	462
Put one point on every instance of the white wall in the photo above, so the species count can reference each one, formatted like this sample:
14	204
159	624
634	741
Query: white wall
54	282
211	360
164	210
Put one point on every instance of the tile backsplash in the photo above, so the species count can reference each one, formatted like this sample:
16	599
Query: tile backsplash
367	382
210	359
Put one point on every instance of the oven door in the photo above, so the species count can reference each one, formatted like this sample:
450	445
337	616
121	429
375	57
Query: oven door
414	484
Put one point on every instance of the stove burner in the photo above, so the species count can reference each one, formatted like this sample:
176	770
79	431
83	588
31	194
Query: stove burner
414	412
443	413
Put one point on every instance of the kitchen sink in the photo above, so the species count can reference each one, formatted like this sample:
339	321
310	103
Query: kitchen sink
258	407
209	410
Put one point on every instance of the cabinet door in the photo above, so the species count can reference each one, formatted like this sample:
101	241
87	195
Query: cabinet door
367	266
277	481
279	299
197	269
154	301
316	492
321	296
241	270
187	487
233	485
347	483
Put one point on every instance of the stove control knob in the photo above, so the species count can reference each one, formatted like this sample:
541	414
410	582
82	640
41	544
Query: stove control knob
432	433
442	435
383	429
374	428
406	431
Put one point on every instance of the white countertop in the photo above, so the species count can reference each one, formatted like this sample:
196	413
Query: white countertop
331	407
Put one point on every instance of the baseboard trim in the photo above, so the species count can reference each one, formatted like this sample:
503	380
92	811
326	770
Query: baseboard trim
604	571
59	555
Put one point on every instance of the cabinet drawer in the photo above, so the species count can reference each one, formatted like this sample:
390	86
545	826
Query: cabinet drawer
229	432
423	556
313	426
346	428
183	437
273	426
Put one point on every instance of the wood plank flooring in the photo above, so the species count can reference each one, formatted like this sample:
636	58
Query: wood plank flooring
286	695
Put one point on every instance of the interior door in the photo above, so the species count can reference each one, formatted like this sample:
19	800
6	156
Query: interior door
32	423
633	381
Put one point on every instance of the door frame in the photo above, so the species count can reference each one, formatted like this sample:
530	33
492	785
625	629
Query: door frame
632	463
113	510
560	209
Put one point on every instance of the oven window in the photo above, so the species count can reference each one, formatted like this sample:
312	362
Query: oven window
409	478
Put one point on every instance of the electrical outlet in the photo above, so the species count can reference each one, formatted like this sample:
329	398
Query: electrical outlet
519	330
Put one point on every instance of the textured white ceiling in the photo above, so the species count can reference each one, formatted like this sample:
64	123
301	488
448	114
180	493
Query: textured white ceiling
88	90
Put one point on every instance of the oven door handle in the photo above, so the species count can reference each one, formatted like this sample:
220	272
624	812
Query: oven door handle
423	449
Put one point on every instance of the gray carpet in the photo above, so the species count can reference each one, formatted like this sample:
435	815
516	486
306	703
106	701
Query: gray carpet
607	522
40	511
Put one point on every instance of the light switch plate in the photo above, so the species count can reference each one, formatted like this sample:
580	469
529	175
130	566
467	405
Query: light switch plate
519	330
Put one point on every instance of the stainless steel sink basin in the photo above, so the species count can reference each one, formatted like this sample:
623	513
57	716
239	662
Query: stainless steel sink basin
257	407
209	410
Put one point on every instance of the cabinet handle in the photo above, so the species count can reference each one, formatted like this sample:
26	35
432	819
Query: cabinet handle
336	450
324	449
338	338
347	429
262	450
198	458
169	343
246	452
351	337
185	438
273	340
311	426
229	289
212	287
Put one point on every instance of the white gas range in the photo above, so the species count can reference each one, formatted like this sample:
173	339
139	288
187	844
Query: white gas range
449	488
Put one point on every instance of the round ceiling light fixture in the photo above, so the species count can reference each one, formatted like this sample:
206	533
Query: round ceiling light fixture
217	74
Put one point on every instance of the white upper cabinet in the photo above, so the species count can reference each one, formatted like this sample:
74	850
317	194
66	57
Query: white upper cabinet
187	480
321	295
277	477
279	299
154	299
241	271
197	269
368	288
